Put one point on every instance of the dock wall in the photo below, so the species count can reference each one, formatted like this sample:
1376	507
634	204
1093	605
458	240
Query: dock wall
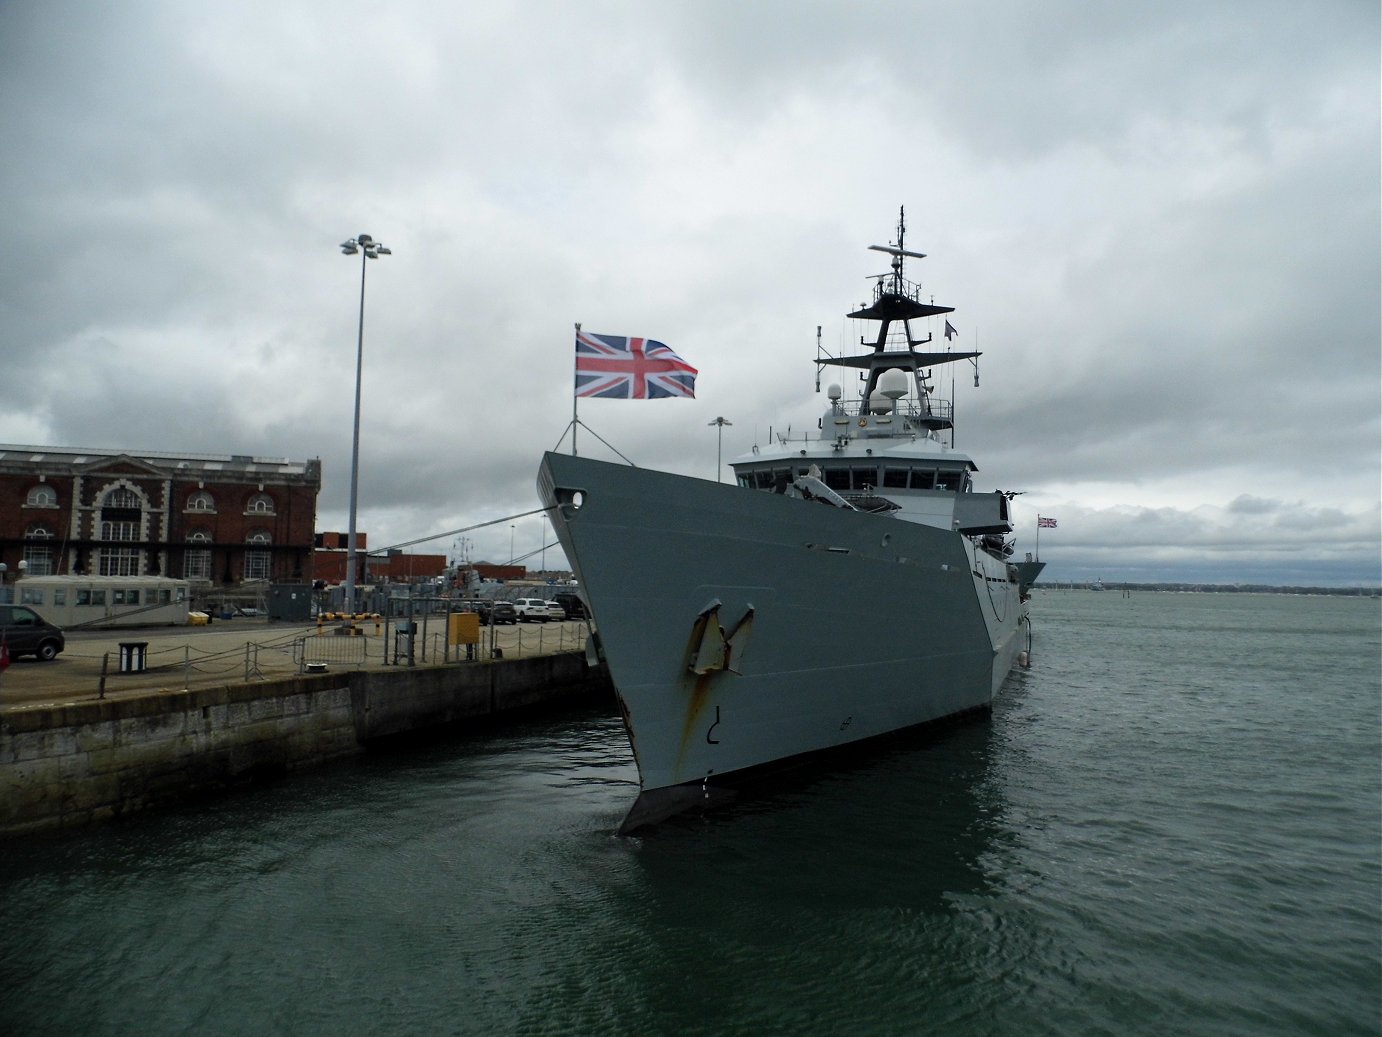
87	762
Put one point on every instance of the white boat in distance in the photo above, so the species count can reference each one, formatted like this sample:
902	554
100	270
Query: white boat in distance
851	584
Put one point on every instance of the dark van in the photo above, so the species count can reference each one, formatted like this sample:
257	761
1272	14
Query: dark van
25	632
572	603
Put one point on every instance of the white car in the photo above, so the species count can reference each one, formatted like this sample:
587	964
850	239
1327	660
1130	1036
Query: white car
555	611
532	610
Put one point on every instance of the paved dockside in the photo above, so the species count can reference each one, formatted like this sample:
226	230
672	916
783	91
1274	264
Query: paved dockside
244	650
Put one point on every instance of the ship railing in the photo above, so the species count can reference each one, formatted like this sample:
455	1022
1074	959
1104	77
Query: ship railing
934	408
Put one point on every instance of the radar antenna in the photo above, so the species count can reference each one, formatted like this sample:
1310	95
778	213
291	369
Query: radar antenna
897	251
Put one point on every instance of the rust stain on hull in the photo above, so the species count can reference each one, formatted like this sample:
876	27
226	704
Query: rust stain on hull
698	687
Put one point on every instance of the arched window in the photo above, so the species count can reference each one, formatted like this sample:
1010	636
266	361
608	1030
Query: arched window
258	559
122	520
121	497
260	504
42	497
201	501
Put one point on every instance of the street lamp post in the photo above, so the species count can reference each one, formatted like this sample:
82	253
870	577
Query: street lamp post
511	543
720	424
367	248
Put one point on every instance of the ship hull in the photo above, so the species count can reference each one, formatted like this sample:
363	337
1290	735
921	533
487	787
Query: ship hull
743	628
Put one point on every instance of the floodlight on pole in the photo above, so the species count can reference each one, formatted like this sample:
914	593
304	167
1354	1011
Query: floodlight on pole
367	248
720	424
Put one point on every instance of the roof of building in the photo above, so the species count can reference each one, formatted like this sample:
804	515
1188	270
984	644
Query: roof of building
79	456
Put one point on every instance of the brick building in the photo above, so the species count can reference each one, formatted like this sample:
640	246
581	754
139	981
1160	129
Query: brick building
392	566
213	518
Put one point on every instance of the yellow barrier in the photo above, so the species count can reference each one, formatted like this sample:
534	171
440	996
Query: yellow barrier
342	617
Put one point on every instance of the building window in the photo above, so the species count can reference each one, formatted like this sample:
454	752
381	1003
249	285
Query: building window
260	504
42	497
196	561
120	531
38	558
196	565
60	596
122	497
31	596
201	501
122	518
257	562
119	561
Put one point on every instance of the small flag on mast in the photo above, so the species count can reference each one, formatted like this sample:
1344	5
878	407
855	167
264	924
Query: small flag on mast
950	331
1045	523
620	368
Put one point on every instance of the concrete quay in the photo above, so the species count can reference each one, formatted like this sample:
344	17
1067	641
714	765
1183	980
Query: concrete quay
71	756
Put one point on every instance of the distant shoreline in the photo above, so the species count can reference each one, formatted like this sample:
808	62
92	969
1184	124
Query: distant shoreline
1211	588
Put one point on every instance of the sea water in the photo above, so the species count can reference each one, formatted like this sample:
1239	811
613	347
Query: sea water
1170	824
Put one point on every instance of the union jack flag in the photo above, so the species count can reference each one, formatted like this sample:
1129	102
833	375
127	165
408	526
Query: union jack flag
1045	523
622	368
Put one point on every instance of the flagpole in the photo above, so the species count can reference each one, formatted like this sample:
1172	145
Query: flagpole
1038	538
575	421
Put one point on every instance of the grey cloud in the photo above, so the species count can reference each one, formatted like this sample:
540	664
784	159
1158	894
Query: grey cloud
1159	222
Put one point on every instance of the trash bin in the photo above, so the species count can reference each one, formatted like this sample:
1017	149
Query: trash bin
133	655
403	640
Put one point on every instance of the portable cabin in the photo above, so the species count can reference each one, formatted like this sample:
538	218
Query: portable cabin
108	601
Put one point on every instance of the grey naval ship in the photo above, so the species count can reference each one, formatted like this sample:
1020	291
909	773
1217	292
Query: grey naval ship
852	583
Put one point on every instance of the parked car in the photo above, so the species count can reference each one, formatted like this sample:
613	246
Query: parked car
503	612
572	603
535	610
25	632
490	611
555	611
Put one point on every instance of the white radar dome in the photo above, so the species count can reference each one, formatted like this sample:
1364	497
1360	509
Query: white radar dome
893	384
833	391
880	404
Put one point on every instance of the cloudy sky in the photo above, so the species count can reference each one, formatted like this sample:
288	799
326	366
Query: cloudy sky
1160	222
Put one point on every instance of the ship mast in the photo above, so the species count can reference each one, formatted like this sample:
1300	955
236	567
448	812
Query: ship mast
897	299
